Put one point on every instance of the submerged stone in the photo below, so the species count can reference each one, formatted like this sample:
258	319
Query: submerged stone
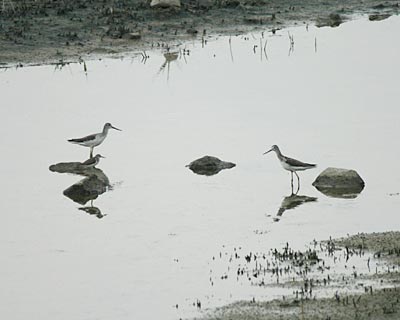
209	165
339	183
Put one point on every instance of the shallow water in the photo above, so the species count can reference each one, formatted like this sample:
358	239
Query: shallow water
334	103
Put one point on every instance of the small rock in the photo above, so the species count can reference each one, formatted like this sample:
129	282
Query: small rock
209	166
378	17
165	4
342	183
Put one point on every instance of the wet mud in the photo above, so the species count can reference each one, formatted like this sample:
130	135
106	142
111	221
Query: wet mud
60	32
355	277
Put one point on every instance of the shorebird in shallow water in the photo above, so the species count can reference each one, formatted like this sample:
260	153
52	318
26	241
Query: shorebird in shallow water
291	165
94	140
92	162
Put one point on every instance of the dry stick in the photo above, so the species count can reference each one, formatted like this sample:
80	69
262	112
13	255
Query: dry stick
260	48
315	44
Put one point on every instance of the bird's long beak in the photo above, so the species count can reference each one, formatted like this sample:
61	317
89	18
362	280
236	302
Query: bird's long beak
116	128
102	156
268	151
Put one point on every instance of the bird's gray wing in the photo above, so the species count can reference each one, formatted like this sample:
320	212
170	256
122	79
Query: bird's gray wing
84	139
89	162
297	163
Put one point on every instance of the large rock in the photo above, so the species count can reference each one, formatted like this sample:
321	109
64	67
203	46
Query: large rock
165	4
94	184
209	166
341	183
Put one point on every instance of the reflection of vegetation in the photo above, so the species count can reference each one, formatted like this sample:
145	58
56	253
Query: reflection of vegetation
292	202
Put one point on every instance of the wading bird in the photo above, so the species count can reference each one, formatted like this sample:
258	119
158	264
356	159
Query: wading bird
92	162
291	165
94	140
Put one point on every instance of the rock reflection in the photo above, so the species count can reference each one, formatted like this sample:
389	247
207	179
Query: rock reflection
343	193
291	202
94	184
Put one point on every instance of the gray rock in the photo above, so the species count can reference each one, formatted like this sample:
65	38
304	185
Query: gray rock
85	190
209	166
339	183
94	184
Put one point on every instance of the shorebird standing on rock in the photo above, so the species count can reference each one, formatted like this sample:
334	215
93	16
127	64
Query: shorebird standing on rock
94	140
92	162
291	165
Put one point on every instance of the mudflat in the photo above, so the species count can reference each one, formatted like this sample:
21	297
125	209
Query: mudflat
47	31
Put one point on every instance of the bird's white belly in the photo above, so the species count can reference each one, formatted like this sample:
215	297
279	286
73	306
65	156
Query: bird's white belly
93	143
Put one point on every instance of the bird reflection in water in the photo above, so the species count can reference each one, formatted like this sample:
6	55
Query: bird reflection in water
169	57
291	202
93	210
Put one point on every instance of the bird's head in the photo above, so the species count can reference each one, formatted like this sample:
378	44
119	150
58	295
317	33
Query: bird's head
273	148
110	126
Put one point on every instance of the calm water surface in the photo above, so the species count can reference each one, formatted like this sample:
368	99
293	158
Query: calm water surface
336	104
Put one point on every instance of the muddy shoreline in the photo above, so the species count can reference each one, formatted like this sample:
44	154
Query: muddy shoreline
358	295
48	32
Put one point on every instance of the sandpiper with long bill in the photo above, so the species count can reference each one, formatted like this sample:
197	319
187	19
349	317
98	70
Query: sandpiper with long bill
92	162
291	165
94	140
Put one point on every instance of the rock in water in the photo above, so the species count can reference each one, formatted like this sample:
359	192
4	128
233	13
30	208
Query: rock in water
165	4
341	183
209	166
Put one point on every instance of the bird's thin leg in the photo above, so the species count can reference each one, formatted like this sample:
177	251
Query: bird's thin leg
298	182
91	152
291	181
